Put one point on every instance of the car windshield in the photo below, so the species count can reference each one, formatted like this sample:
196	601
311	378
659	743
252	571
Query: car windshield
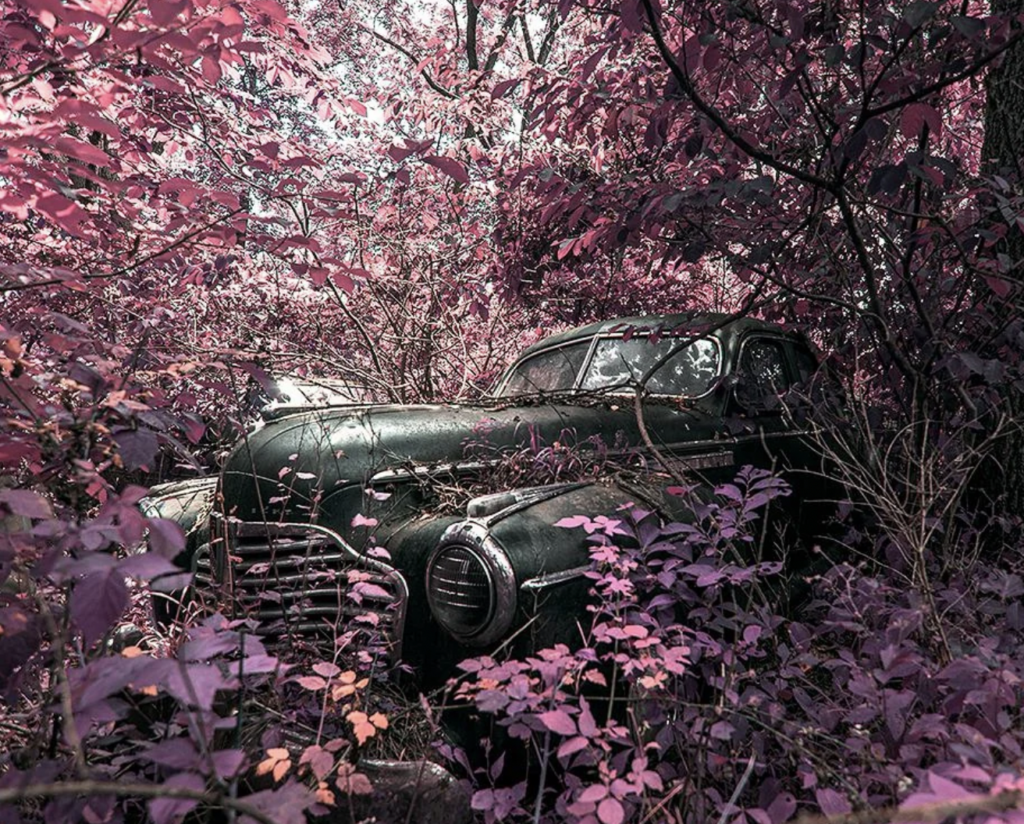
555	370
616	363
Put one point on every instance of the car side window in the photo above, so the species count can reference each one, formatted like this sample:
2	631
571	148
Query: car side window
762	374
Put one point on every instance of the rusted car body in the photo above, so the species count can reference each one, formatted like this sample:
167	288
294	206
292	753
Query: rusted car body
343	516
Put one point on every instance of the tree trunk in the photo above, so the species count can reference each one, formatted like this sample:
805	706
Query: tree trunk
1003	154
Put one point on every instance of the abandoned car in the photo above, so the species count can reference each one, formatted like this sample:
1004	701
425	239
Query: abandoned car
352	512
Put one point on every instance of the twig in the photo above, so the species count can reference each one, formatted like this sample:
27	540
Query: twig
130	267
739	789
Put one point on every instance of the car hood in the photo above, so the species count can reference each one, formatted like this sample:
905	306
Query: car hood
292	467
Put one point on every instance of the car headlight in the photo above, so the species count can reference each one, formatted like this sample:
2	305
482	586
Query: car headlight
470	585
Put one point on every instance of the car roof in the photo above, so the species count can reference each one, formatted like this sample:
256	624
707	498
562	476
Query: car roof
684	320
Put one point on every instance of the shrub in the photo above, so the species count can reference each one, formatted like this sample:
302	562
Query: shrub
716	706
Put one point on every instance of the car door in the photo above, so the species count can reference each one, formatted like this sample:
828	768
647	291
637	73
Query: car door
756	412
767	436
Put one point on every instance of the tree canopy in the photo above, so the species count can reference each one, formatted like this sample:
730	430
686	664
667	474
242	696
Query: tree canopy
195	194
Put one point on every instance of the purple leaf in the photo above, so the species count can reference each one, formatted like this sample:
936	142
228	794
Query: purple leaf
209	646
946	790
1001	287
452	168
194	684
228	763
171	810
722	730
831	802
146	566
256	664
97	602
782	808
504	87
285	805
918	115
178	753
20	637
491	700
137	447
100	679
165	537
26	503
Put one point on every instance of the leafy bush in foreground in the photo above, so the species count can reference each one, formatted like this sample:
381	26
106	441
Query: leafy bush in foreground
694	695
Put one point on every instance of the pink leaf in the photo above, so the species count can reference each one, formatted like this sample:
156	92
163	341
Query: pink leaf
211	69
573	522
67	214
594	793
558	721
452	168
163	12
610	811
79	150
571	746
367	590
273	10
326	669
343	281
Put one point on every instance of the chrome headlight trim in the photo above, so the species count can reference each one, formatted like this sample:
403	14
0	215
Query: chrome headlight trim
475	537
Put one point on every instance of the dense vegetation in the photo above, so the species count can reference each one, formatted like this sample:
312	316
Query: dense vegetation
195	194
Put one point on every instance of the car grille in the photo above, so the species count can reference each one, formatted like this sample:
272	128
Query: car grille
307	581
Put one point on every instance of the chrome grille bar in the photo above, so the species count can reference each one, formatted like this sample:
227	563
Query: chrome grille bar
304	579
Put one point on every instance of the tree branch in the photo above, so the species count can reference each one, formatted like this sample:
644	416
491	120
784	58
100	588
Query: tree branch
943	82
441	90
472	14
716	117
126	269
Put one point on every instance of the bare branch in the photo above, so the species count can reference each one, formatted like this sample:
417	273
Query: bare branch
441	90
133	266
716	117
